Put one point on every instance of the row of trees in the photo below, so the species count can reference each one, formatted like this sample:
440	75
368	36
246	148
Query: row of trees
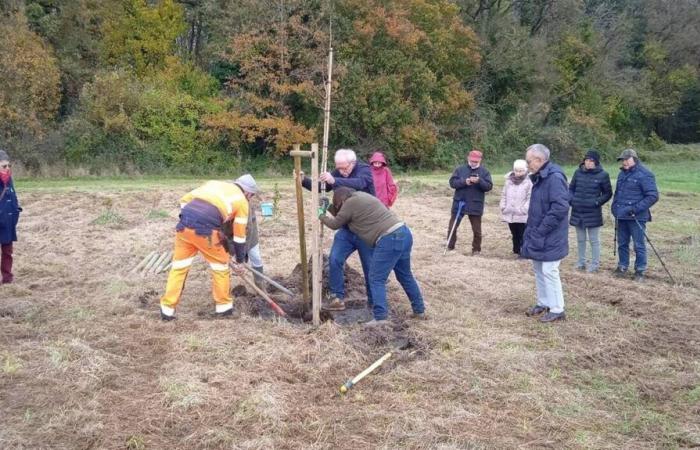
202	84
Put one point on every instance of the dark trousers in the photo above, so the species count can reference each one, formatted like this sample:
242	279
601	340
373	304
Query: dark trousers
517	230
475	222
6	263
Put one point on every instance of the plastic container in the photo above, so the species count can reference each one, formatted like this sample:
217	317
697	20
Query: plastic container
267	209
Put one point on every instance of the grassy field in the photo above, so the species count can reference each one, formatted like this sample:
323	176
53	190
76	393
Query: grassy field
85	361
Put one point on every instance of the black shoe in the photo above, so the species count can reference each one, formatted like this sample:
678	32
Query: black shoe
620	272
227	313
553	317
166	318
639	277
536	310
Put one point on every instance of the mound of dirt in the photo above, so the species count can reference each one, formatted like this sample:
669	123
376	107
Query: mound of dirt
356	297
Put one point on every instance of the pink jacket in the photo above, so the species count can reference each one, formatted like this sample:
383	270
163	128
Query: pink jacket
385	187
515	200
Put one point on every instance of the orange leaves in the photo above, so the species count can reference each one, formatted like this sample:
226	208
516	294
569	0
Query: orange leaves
279	133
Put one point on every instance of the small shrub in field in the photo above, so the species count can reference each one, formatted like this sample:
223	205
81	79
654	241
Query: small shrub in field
108	218
135	442
10	364
156	214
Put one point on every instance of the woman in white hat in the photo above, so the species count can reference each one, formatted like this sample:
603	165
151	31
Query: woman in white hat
515	201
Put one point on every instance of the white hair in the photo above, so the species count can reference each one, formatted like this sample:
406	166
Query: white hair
540	150
345	154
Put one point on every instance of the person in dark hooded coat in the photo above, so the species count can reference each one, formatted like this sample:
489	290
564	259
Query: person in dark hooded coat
589	190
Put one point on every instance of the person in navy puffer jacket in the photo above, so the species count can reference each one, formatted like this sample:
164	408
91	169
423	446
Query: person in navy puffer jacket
635	193
590	189
9	215
546	240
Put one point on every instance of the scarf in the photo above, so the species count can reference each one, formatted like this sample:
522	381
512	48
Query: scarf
5	177
516	179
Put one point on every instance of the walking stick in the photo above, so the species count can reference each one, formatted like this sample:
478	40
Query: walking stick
654	248
454	226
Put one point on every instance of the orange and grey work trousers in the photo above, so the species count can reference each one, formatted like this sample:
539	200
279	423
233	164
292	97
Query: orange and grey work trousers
187	244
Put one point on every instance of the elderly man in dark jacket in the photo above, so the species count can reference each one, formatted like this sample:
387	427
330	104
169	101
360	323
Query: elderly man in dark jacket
357	175
9	215
470	181
589	190
635	193
547	232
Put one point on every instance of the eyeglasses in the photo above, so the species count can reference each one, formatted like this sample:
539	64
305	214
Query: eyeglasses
5	166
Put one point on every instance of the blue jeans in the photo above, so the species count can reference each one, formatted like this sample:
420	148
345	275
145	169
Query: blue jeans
393	252
627	229
345	242
594	238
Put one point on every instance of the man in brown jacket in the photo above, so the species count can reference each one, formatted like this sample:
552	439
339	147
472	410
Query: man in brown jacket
378	227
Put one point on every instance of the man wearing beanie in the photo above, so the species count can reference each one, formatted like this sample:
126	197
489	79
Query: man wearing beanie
205	212
635	193
589	190
9	216
471	182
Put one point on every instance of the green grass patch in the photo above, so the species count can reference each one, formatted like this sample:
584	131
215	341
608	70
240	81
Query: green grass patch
157	214
109	218
10	364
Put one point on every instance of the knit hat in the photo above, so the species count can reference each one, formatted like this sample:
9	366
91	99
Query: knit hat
593	155
4	156
627	154
475	154
247	183
519	164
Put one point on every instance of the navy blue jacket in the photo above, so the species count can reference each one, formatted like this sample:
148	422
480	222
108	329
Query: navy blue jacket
9	213
547	232
635	192
589	191
472	195
359	179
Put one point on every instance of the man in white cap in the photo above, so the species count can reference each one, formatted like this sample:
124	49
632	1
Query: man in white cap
252	239
203	214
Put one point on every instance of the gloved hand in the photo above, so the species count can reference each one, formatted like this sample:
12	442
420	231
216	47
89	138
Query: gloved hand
627	212
237	269
325	203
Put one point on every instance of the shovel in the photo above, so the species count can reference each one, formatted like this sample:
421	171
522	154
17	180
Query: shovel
401	344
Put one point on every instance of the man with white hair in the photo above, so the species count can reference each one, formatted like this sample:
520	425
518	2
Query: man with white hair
546	239
351	173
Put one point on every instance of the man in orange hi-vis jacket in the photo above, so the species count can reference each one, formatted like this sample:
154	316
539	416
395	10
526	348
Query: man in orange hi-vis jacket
204	212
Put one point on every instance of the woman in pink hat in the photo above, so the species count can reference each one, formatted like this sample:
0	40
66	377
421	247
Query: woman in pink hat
385	187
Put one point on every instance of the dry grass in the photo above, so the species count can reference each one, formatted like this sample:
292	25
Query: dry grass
87	364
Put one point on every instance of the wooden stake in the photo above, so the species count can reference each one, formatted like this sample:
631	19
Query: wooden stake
143	262
316	244
150	264
164	263
158	262
327	116
302	230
